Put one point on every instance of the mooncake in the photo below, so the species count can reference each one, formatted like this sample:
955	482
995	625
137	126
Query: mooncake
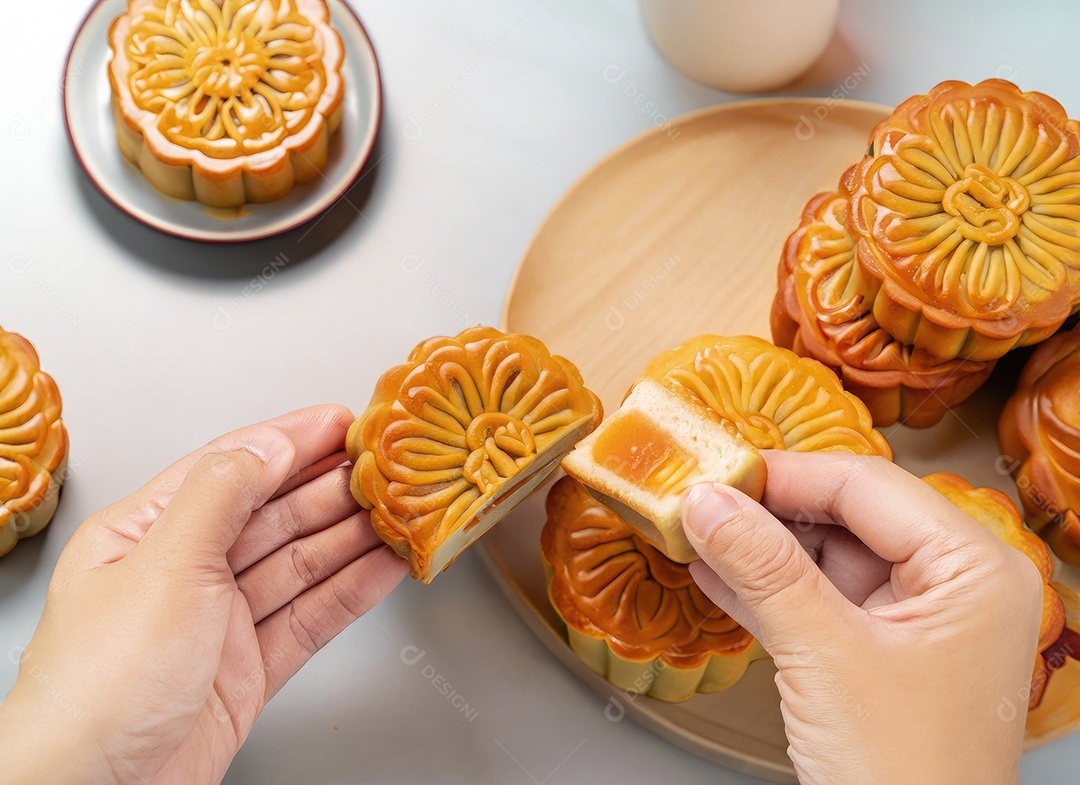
647	453
824	309
1039	432
633	615
226	101
33	442
459	434
773	397
966	211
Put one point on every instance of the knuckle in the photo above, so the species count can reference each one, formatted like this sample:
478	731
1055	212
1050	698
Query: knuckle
220	465
292	516
855	470
352	602
302	632
305	564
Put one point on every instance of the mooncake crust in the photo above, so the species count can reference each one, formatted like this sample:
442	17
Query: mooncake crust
1059	711
226	102
776	399
966	209
625	603
824	309
1039	433
451	430
33	442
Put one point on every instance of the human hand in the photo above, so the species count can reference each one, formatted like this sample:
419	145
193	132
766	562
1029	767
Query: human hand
898	624
176	613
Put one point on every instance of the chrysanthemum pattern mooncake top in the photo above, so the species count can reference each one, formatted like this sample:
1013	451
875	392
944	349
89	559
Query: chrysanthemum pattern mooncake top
451	427
775	398
33	440
227	79
608	583
226	102
836	311
970	202
824	309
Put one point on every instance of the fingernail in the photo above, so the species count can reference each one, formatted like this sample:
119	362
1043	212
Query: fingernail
271	447
706	507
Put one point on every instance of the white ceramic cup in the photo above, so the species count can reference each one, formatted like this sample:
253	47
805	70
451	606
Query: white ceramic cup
743	46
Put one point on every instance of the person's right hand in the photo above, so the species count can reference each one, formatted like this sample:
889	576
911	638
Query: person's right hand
904	633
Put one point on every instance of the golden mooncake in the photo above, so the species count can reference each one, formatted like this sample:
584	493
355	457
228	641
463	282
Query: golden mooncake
651	450
460	433
633	615
824	309
1059	711
33	442
776	399
995	511
226	101
966	211
1039	432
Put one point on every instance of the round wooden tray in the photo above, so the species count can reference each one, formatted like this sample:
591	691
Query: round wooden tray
675	234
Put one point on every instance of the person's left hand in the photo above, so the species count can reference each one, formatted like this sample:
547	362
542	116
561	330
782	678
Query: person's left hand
176	613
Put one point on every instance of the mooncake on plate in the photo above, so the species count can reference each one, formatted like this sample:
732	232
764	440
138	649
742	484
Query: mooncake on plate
226	101
1039	432
633	615
459	434
773	397
824	309
966	210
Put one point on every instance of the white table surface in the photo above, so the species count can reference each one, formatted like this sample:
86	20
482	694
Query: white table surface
493	109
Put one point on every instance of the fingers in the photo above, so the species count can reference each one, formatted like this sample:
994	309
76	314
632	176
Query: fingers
291	635
855	570
725	598
277	580
315	433
216	499
307	509
893	512
313	471
764	567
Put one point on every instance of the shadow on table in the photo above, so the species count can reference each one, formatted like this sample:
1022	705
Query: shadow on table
230	261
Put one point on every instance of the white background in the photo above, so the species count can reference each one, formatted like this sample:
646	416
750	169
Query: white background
124	318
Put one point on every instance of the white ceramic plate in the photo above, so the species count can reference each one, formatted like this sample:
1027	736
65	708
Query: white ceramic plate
88	115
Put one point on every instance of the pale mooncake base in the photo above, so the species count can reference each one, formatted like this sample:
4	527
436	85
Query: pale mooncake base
657	679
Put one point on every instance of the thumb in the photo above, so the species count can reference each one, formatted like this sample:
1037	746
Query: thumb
216	498
757	572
